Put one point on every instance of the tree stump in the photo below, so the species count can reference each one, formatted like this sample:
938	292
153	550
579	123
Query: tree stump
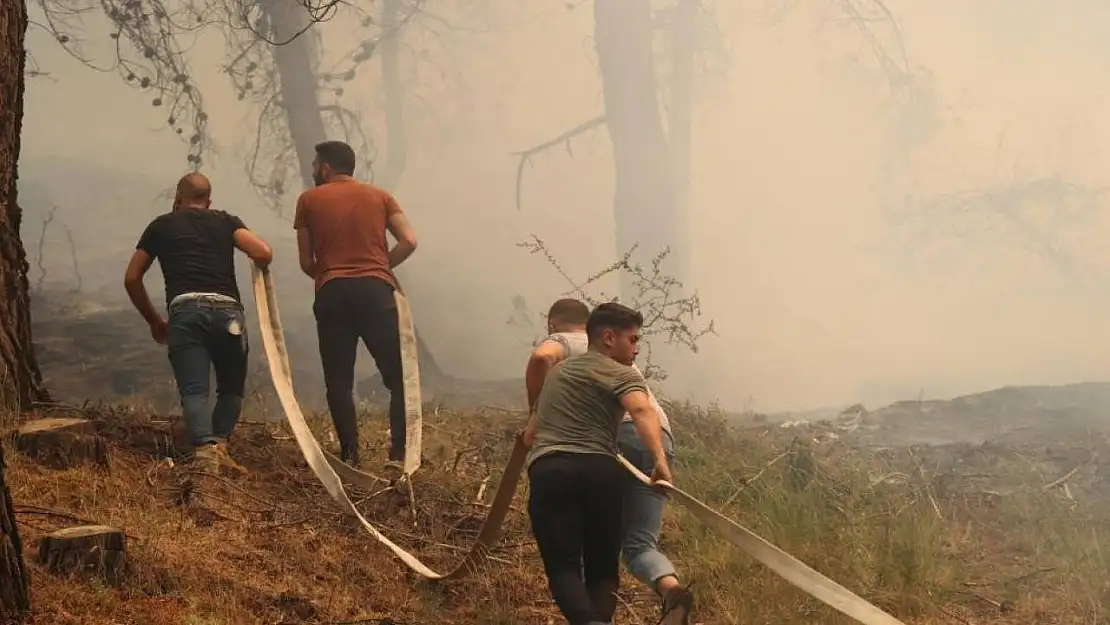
61	442
95	549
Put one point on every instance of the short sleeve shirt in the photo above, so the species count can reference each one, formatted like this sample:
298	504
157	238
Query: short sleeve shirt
196	251
347	222
579	409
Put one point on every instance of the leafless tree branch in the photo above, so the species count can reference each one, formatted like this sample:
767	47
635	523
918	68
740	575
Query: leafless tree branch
1019	209
46	221
149	47
562	138
73	258
254	74
667	313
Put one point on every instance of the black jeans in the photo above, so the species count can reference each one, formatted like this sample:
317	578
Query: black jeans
349	309
200	340
575	504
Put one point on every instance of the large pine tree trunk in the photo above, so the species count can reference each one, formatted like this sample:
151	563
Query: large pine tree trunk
14	595
644	207
299	96
20	381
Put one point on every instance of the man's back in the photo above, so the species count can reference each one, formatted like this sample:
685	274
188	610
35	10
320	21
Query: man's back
348	220
573	343
196	251
579	409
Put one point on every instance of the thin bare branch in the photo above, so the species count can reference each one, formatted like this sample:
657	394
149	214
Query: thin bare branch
667	313
563	138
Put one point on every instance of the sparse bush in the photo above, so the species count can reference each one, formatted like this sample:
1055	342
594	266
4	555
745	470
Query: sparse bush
669	314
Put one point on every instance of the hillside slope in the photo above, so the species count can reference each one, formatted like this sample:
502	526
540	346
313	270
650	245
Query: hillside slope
963	533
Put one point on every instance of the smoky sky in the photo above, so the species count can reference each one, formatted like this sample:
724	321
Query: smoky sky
860	229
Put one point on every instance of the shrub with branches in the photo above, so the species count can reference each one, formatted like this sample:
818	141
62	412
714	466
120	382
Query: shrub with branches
669	313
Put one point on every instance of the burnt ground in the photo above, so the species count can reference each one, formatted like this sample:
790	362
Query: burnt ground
1013	414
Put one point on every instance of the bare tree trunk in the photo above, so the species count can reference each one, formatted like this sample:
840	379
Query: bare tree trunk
297	74
20	380
299	95
644	206
396	138
679	122
397	144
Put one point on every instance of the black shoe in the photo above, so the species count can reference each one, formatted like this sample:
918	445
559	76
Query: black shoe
677	604
349	457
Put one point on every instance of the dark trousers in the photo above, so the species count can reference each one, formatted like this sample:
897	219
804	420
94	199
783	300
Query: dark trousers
200	340
575	504
349	309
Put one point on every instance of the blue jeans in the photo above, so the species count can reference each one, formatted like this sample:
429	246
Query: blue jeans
199	341
643	510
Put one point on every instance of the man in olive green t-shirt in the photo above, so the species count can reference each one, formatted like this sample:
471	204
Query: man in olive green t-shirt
575	500
643	505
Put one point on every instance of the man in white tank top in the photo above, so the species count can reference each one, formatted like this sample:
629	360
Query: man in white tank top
566	336
643	505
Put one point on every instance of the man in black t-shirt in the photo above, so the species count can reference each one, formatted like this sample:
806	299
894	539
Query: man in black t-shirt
206	328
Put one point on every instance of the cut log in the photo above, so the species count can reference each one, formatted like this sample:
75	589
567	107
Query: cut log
95	549
61	442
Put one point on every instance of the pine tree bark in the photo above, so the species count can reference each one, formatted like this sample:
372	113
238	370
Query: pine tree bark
14	592
20	380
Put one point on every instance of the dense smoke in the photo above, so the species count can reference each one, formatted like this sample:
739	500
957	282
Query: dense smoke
875	213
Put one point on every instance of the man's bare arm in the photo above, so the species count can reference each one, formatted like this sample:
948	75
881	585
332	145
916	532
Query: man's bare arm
136	290
543	358
650	428
304	252
528	434
254	247
402	231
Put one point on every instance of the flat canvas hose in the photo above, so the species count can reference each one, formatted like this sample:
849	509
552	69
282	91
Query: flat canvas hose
329	470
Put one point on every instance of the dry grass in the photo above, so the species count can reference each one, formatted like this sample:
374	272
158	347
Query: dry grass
940	535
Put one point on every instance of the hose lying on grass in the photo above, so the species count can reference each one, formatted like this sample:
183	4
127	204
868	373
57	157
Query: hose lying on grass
331	471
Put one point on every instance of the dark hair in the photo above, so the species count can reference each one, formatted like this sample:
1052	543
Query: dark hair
568	311
338	155
612	316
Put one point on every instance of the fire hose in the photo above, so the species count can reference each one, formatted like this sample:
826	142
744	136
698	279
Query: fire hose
332	473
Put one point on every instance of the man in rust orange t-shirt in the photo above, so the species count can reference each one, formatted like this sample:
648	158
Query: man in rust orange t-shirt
341	226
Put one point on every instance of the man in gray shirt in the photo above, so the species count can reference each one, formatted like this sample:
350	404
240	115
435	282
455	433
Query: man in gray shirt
577	485
643	505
